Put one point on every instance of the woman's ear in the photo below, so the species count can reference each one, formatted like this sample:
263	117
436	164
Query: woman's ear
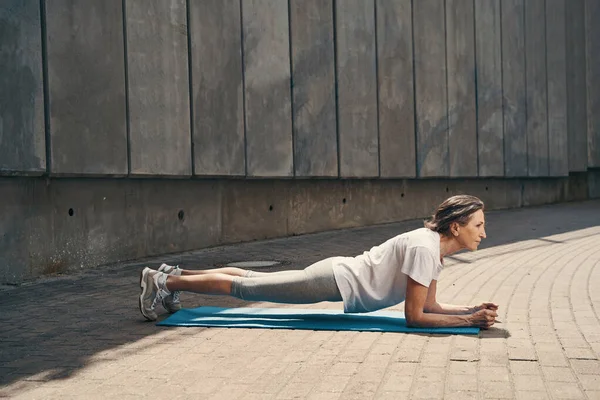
454	227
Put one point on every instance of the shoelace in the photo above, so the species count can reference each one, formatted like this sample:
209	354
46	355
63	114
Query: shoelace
169	271
160	295
177	292
176	296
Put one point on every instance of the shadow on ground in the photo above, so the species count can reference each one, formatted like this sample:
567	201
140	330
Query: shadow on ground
51	328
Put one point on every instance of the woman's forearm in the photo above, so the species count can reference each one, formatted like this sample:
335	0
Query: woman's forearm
450	309
431	320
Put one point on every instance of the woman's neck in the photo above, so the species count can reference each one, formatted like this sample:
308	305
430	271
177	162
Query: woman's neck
448	246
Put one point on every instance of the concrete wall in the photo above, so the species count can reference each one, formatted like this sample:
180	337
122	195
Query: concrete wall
69	224
22	131
311	89
167	105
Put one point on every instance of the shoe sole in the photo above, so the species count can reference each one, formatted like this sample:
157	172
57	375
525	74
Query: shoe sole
169	310
144	287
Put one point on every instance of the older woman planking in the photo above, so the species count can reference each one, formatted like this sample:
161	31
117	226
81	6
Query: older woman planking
404	268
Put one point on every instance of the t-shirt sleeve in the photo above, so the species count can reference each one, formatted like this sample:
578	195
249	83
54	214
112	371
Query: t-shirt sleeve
419	263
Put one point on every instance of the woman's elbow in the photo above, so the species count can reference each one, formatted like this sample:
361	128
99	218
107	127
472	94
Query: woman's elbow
429	308
413	320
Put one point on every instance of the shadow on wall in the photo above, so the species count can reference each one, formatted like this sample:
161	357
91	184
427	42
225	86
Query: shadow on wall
55	328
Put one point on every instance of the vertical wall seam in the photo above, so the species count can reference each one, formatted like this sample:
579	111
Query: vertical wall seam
568	81
414	72
337	100
586	159
475	78
566	109
190	86
127	111
46	87
292	125
242	54
448	141
504	163
590	135
547	93
292	108
377	88
502	87
524	22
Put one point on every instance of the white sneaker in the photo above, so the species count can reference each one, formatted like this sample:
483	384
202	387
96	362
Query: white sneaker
151	293
171	303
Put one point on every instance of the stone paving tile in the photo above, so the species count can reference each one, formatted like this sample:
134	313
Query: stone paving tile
461	368
461	383
529	395
81	336
461	395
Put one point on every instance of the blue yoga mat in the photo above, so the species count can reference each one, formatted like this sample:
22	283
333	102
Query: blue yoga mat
293	318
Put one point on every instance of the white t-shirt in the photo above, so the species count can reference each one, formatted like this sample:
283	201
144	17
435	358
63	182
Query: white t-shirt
377	278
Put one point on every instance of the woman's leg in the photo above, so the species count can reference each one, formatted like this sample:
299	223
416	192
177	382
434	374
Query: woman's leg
233	271
172	302
226	270
215	283
314	284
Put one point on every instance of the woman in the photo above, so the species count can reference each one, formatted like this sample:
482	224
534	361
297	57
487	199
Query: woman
404	268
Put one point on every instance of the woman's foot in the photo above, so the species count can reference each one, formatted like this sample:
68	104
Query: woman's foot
153	291
171	303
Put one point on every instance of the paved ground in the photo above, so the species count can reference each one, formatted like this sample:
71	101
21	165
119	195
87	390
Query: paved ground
81	336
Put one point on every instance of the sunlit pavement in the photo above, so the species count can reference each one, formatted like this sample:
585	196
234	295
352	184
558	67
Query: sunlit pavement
82	336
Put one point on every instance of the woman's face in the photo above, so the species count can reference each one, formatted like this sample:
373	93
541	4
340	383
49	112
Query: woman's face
470	235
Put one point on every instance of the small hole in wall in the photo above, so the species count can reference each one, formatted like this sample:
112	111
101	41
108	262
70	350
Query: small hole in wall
401	194
344	200
71	212
447	190
181	215
270	208
486	188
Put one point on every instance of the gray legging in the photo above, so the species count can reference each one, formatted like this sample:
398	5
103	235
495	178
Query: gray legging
313	284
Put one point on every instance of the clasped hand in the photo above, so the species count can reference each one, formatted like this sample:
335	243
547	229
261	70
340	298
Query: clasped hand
484	315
